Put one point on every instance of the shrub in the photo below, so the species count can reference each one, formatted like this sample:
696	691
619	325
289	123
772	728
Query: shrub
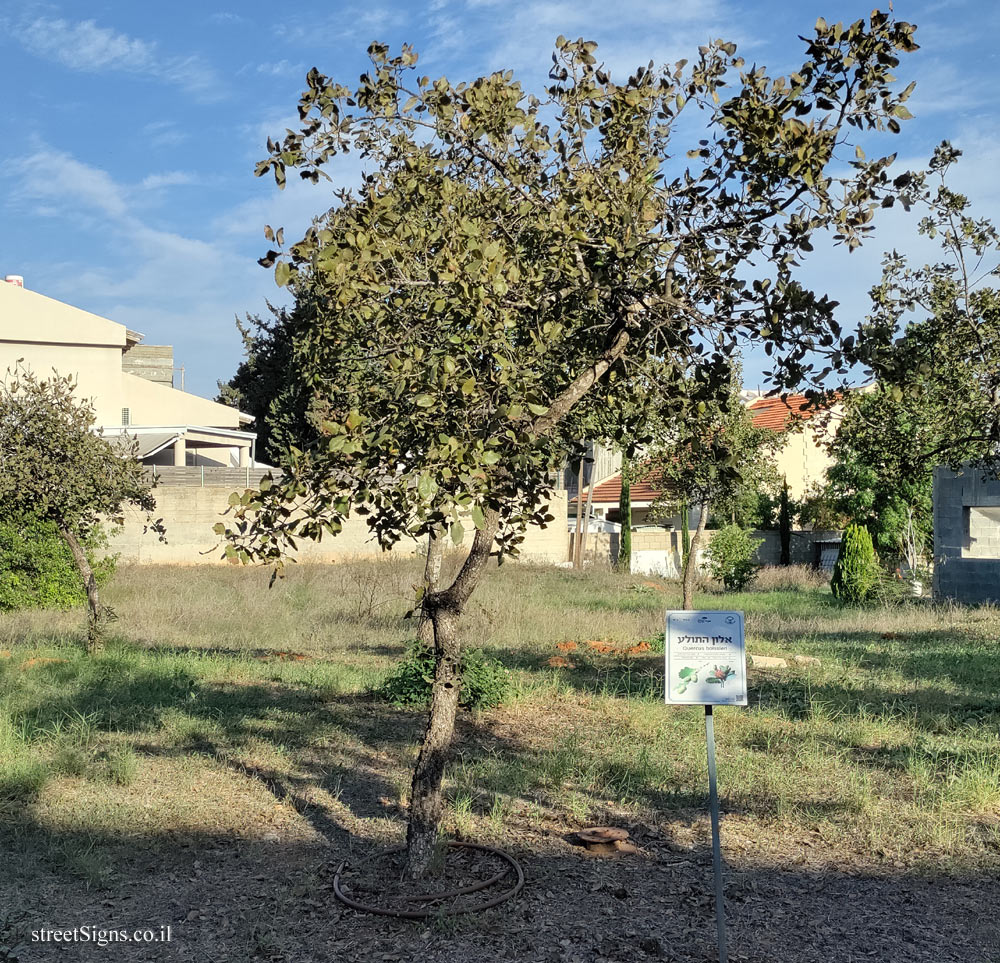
486	682
36	567
856	573
731	557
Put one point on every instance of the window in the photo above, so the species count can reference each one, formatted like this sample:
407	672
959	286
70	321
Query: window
126	417
982	532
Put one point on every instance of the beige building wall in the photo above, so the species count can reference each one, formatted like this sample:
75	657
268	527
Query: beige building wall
48	334
155	404
190	513
803	459
97	371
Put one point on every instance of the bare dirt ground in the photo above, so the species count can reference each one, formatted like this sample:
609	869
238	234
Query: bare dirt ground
274	901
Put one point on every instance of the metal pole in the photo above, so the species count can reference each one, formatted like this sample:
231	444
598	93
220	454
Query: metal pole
713	799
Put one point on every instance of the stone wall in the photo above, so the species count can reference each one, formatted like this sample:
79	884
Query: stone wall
190	513
966	536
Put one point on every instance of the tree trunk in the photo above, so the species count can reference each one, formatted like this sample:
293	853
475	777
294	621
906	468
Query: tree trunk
445	609
685	534
577	559
785	526
432	576
95	637
691	562
625	517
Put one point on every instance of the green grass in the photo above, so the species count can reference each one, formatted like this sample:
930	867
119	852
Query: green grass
219	700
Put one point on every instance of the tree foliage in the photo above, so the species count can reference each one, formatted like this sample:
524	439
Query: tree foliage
510	262
937	398
37	569
266	383
731	557
856	572
56	469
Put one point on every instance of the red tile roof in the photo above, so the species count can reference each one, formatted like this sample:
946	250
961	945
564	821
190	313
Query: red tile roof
609	491
777	414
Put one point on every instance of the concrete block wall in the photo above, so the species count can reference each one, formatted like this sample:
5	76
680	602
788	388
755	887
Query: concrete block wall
190	513
962	570
664	546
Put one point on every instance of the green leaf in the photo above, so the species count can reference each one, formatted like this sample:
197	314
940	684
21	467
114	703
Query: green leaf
219	528
282	273
423	401
234	500
469	386
478	519
457	533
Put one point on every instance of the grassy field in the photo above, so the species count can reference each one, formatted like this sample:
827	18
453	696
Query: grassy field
228	715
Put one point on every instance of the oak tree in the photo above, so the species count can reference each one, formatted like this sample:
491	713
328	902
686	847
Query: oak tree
509	260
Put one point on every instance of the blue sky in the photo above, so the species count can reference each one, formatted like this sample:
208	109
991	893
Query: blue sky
130	130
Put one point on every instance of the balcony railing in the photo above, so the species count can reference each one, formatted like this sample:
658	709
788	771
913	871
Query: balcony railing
204	476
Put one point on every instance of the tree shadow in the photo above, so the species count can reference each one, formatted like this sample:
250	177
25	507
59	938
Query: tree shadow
235	900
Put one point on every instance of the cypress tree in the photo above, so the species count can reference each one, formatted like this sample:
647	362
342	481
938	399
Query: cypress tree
625	515
855	573
785	526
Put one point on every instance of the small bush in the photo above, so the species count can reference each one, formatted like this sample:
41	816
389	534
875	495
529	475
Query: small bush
730	557
485	682
37	569
856	574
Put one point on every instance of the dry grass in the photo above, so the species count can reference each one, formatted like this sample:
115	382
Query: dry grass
226	711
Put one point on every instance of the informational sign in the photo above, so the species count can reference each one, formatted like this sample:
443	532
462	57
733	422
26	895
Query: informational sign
706	662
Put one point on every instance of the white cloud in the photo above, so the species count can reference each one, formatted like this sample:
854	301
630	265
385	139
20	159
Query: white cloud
51	175
176	288
281	69
168	179
85	46
164	133
226	17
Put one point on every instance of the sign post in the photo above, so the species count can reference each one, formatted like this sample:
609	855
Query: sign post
706	665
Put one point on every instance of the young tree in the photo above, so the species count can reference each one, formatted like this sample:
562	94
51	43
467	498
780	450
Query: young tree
509	261
53	467
717	460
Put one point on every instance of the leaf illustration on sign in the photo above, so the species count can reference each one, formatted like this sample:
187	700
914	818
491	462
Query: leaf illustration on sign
720	673
687	675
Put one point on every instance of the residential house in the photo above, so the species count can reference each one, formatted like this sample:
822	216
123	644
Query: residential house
130	384
802	458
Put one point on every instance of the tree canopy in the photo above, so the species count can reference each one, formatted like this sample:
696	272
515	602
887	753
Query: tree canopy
509	261
937	398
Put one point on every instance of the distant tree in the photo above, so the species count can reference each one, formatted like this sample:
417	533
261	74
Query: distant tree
266	383
510	261
732	557
625	518
785	525
55	468
937	397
